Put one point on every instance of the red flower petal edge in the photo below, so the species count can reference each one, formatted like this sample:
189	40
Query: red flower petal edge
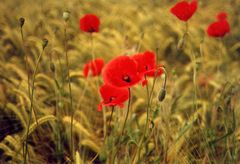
94	67
220	27
89	23
121	72
113	96
146	64
222	16
184	10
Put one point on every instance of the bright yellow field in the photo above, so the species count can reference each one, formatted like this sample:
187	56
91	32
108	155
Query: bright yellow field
197	122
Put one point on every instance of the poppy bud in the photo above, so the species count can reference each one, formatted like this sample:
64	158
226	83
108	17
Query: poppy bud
21	21
44	43
66	15
52	67
162	94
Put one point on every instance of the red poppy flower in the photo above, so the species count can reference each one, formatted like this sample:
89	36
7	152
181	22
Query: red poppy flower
94	66
219	28
89	23
113	96
184	10
121	72
146	63
157	71
221	16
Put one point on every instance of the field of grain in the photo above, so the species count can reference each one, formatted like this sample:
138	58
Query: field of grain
49	109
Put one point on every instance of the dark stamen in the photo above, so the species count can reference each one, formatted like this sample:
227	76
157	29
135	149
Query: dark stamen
91	29
126	79
111	98
146	67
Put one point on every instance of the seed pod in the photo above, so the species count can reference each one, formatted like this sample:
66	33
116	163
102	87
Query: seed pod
21	21
44	43
162	94
66	15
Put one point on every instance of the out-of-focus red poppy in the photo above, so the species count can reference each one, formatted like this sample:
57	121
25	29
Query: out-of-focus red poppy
113	96
89	23
146	64
219	28
121	72
184	10
93	67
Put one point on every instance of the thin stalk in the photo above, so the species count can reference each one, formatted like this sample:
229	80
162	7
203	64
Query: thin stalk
194	70
32	104
109	124
97	85
104	136
128	109
26	68
124	124
70	91
220	55
147	119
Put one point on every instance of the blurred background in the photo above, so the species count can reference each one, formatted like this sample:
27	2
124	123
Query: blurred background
197	121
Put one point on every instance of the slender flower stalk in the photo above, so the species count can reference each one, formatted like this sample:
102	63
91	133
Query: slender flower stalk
124	124
149	95
128	109
70	91
109	124
44	44
21	24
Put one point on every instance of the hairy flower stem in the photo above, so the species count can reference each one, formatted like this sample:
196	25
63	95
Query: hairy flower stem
97	85
109	124
124	124
220	55
138	151
147	119
193	58
128	109
70	91
32	105
149	95
26	68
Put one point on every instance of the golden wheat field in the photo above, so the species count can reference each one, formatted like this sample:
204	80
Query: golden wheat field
49	109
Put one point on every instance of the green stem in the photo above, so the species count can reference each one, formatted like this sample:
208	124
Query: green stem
70	92
124	124
109	124
128	109
26	68
31	107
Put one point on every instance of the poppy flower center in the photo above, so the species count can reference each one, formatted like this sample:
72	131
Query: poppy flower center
91	29
126	78
111	99
146	67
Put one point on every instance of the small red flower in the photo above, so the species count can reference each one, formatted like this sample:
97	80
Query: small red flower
89	23
121	72
157	71
184	10
94	66
221	16
146	63
219	28
113	96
